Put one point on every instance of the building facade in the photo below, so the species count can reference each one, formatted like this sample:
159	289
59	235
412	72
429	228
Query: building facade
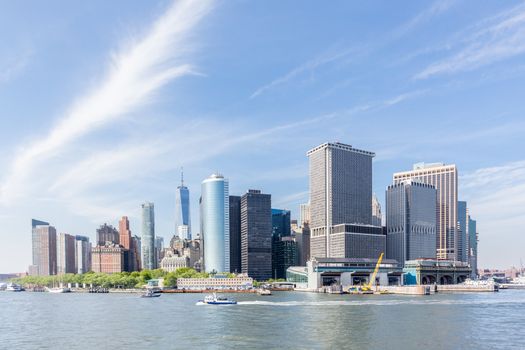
302	237
149	260
171	262
44	249
66	248
284	255
340	191
218	283
107	233
445	179
108	258
411	221
235	234
473	247
215	223
377	215
256	235
182	210
462	227
304	214
82	254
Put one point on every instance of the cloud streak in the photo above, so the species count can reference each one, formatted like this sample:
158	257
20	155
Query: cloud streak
135	74
303	68
495	39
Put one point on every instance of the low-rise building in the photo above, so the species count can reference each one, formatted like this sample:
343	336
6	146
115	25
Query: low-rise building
433	271
240	282
345	272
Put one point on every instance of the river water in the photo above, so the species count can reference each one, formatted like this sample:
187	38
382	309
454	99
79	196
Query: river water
291	320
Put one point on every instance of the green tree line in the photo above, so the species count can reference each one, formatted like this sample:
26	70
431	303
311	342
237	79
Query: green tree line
134	279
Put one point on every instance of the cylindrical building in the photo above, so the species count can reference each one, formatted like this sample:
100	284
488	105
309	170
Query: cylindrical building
149	260
215	223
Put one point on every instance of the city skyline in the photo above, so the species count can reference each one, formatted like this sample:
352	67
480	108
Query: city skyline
402	89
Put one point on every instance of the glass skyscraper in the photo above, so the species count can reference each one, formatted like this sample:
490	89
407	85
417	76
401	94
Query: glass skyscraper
148	237
215	223
182	211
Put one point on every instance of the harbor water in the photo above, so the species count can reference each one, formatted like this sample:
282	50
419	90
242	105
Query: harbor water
291	320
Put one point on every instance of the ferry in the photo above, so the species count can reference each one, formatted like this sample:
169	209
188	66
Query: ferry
213	299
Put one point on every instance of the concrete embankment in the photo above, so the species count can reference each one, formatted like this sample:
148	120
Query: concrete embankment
408	290
450	288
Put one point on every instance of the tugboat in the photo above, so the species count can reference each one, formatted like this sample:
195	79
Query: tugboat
213	299
150	294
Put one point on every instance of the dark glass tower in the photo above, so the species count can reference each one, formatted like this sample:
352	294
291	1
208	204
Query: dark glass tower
235	234
182	210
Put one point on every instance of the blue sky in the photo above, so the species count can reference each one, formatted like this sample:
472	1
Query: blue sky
102	103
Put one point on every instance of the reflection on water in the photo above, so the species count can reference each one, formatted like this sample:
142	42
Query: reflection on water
284	320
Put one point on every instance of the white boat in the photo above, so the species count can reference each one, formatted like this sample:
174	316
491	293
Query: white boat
264	291
58	290
213	299
11	287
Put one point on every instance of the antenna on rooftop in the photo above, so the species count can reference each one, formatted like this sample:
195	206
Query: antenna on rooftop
182	176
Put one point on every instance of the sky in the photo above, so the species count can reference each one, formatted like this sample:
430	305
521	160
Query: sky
102	103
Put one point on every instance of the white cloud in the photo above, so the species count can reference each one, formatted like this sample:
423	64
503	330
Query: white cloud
494	39
13	65
437	8
496	198
135	74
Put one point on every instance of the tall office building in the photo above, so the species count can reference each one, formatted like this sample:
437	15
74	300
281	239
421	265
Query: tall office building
215	223
473	247
159	249
65	253
82	254
182	210
410	221
377	216
44	241
136	247
445	179
256	235
107	233
126	243
462	227
341	195
149	260
235	234
302	237
282	246
304	214
107	258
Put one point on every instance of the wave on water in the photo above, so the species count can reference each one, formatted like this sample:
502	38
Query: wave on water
378	302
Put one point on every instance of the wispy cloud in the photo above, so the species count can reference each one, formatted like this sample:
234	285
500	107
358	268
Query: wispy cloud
308	66
494	39
135	74
496	198
13	65
435	9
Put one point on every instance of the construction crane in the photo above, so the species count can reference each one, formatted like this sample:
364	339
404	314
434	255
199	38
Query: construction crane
367	288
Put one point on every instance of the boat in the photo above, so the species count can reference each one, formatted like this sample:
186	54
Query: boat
264	291
11	287
57	290
150	294
213	299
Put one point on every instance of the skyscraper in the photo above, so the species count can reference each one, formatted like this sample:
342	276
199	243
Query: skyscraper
235	234
410	221
215	223
284	248
149	260
377	216
304	214
44	241
462	244
473	247
341	193
256	235
124	232
65	253
182	210
82	254
445	179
